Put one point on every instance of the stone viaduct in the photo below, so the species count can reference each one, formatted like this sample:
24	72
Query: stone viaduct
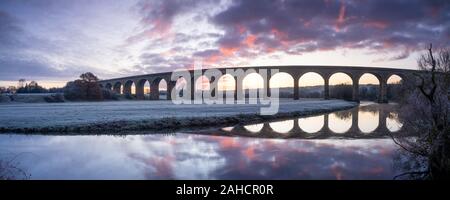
296	72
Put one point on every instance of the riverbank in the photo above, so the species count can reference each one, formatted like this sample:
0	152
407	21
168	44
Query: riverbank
161	116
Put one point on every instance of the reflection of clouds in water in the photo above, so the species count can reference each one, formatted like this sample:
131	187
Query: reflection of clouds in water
254	128
338	123
311	159
109	157
311	124
393	123
201	157
73	157
195	159
368	121
185	158
282	126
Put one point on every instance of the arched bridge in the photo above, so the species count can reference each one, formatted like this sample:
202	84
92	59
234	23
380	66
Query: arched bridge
296	72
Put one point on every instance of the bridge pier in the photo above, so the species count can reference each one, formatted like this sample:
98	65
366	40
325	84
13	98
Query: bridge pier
238	93
267	83
355	118
326	91
325	128
193	94
170	86
154	92
296	129
355	93
266	128
383	91
140	91
382	126
235	92
296	87
213	87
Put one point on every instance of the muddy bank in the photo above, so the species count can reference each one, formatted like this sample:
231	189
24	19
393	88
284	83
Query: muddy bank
167	124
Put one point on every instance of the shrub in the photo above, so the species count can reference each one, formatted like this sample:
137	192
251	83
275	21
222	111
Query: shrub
54	98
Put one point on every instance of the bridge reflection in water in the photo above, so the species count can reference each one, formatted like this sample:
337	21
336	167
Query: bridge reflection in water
365	121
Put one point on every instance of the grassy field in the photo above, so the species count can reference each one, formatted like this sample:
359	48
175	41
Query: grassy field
38	115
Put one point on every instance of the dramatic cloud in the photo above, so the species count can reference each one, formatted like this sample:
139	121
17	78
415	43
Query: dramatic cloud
15	69
242	30
9	31
304	26
144	36
55	40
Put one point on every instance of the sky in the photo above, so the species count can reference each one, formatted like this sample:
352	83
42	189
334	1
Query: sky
54	41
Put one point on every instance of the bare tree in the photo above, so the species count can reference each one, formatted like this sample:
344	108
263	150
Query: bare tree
427	111
9	169
22	83
89	77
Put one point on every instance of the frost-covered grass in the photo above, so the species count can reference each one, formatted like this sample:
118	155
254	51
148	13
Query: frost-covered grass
25	98
48	115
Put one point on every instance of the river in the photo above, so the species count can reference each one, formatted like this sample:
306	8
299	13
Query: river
350	144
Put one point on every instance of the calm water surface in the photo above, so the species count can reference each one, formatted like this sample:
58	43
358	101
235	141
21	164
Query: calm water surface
352	144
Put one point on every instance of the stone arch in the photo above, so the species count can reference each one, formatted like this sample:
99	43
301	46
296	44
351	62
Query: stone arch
252	82
254	128
108	86
181	85
393	122
368	119
394	84
118	87
255	78
340	122
349	74
342	89
400	77
227	84
282	127
129	89
147	89
312	124
311	85
283	80
158	88
140	89
369	85
340	73
202	83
